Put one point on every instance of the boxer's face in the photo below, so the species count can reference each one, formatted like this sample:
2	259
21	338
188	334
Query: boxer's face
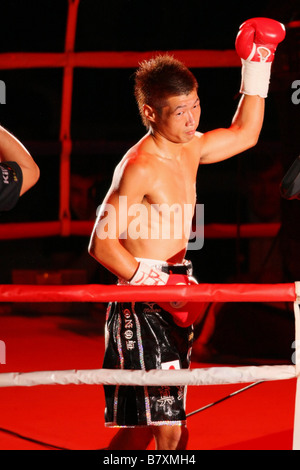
179	118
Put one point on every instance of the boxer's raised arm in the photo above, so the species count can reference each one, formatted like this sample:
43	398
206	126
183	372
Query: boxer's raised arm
256	45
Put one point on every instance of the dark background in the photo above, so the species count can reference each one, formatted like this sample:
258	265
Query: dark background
105	122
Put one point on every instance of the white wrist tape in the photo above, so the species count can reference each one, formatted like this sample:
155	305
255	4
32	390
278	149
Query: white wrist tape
255	78
149	276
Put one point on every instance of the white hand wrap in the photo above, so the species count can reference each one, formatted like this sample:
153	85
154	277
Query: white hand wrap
149	276
255	78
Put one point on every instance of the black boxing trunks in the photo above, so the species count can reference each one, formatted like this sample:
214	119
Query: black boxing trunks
10	185
143	336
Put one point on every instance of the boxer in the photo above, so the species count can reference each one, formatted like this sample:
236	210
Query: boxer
161	169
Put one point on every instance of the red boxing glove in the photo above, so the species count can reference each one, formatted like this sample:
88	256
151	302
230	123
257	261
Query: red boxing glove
256	44
258	36
184	313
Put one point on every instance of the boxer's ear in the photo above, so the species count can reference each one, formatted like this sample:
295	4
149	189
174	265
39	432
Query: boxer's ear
149	113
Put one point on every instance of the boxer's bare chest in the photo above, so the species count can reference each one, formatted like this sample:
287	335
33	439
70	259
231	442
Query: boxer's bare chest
174	183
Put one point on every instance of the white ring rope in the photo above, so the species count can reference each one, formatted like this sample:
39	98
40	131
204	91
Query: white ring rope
205	376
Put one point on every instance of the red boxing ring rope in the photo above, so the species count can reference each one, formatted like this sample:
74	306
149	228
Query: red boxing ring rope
113	59
14	231
112	293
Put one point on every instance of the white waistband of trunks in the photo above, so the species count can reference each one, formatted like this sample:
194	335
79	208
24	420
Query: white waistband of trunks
154	263
157	263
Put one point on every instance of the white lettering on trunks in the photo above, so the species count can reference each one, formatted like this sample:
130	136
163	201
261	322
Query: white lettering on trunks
5	175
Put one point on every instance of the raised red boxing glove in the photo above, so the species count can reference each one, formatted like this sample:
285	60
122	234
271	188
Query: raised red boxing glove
184	313
258	39
256	44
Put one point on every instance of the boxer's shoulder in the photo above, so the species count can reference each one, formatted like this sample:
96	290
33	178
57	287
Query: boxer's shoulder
136	167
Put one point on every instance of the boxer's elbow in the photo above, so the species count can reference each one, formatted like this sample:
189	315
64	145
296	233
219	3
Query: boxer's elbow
99	248
249	139
35	174
253	140
30	177
94	248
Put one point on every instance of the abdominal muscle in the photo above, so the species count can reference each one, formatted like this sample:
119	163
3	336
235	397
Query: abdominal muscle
159	237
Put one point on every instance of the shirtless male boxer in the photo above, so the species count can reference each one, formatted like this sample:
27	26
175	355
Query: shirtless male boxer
161	169
18	171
